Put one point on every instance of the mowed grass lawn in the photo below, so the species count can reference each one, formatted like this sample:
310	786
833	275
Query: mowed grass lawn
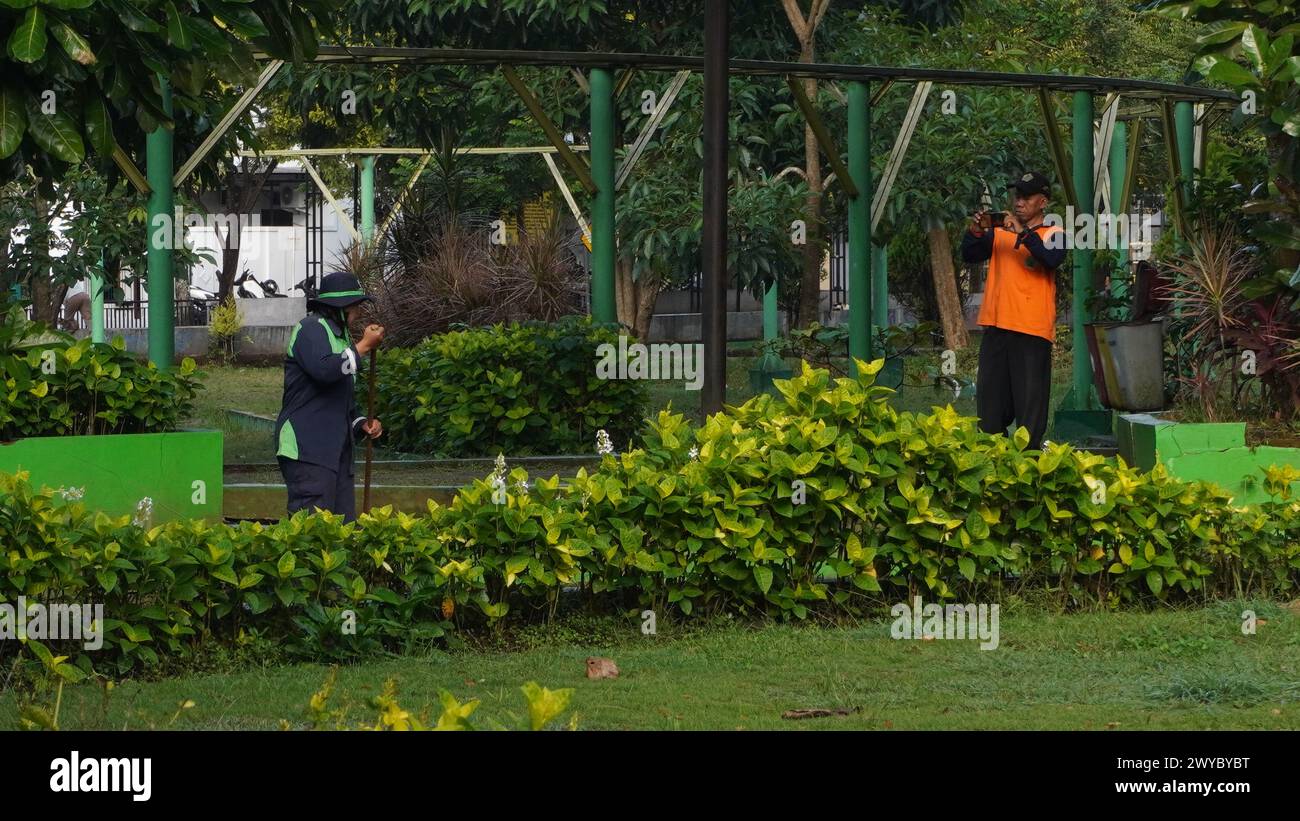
247	388
1102	671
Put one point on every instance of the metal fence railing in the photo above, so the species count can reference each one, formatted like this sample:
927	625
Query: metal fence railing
132	315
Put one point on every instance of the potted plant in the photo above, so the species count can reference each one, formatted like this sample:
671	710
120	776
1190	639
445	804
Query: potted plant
1125	341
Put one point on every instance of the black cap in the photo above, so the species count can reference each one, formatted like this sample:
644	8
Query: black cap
1032	182
339	290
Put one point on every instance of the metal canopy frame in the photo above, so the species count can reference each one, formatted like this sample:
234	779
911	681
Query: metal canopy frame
1133	89
1147	99
425	154
823	136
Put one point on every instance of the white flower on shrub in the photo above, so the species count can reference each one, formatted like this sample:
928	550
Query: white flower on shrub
694	453
498	480
143	512
522	486
72	494
604	444
498	477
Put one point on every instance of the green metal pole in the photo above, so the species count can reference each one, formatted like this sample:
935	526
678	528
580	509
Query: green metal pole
1185	129
879	287
859	251
158	155
368	199
1081	374
602	207
1118	168
96	284
1184	132
771	322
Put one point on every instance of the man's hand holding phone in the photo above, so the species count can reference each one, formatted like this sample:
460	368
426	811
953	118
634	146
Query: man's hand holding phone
984	221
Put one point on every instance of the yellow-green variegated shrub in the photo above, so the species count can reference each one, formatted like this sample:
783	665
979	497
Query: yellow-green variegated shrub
821	498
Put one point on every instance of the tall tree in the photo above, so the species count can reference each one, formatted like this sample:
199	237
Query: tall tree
243	181
805	31
96	221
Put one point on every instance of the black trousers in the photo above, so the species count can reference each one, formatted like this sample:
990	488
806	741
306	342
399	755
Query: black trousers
1014	383
315	486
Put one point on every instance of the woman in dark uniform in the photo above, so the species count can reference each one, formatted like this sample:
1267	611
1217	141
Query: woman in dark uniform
319	419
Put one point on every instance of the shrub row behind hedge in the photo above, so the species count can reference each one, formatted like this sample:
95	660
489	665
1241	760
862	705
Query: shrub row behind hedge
517	389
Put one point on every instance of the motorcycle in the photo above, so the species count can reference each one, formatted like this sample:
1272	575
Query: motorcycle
200	304
263	289
308	286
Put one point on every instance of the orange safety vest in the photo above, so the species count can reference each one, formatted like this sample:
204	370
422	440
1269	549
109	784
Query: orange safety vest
1019	294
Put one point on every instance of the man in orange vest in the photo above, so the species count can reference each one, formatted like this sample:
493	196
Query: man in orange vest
1019	310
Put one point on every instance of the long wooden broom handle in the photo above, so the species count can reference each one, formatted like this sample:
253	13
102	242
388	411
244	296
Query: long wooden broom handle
370	440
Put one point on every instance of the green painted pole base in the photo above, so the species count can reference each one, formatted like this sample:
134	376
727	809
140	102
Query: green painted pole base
769	367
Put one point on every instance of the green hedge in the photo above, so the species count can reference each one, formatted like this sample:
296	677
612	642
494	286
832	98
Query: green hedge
696	521
69	387
519	389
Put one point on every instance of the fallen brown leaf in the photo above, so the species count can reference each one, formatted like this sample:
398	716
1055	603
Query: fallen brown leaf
601	668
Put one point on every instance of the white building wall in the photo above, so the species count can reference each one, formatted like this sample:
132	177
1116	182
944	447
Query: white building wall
276	254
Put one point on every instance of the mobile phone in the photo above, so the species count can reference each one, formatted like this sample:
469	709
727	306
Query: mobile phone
997	219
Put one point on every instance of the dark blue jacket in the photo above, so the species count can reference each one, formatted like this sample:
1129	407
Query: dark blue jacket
319	418
978	249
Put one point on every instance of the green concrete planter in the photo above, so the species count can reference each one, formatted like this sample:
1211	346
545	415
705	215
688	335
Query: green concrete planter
1080	425
180	472
1202	451
765	372
891	375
